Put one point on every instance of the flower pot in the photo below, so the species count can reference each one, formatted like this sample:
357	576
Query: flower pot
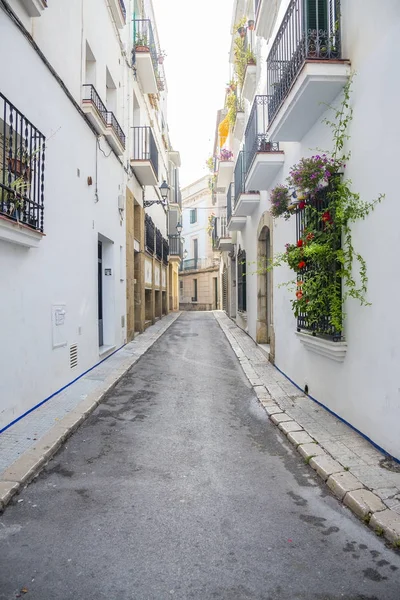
160	60
242	32
250	24
142	49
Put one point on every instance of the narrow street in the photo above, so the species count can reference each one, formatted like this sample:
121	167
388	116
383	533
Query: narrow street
178	486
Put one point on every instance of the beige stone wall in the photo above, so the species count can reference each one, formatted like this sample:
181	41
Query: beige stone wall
205	290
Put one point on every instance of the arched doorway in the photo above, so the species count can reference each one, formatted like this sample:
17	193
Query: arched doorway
264	332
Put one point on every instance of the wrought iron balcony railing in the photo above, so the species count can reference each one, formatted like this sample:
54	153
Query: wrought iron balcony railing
123	9
229	202
144	146
149	230
191	264
255	137
175	245
112	120
310	30
143	40
214	234
159	244
22	157
90	94
239	176
165	251
223	232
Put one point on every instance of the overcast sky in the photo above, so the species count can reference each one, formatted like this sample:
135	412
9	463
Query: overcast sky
195	34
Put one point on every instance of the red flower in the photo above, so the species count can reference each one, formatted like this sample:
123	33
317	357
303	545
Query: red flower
299	243
302	205
301	264
326	217
299	295
310	237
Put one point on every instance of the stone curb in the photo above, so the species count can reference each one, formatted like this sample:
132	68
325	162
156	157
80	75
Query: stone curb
346	487
29	464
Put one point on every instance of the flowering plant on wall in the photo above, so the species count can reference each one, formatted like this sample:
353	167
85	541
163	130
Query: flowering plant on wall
323	256
312	174
225	154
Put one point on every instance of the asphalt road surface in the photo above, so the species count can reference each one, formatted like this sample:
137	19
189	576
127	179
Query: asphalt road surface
178	487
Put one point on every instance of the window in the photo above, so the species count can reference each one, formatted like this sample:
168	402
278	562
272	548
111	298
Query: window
317	15
241	280
193	215
22	156
194	299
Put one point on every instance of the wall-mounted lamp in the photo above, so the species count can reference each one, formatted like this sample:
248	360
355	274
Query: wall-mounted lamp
164	189
179	228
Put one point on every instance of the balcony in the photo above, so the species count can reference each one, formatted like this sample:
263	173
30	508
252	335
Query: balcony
249	83
225	171
118	12
234	223
149	233
22	152
144	161
220	235
263	158
195	264
175	247
245	202
94	108
266	12
114	134
305	71
34	8
165	251
145	55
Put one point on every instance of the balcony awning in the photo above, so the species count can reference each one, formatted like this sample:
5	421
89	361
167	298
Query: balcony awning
223	130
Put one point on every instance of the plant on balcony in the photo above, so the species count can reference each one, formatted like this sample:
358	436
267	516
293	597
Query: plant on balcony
250	57
225	154
161	55
233	105
210	164
239	53
212	182
280	201
210	223
312	174
323	257
141	43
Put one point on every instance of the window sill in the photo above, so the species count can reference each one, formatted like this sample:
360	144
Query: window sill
334	350
18	233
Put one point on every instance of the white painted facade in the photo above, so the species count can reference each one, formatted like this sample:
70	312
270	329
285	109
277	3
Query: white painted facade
197	197
83	43
361	385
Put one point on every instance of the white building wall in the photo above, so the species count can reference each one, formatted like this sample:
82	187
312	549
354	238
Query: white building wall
364	389
197	196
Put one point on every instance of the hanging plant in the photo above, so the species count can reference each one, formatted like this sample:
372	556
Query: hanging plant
323	257
280	201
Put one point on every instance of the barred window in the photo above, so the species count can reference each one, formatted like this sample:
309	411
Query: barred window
241	280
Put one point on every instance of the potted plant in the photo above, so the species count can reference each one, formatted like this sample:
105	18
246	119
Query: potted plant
250	24
242	32
161	57
141	43
225	154
312	174
280	199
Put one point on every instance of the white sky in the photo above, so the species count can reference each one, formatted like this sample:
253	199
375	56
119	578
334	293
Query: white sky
195	34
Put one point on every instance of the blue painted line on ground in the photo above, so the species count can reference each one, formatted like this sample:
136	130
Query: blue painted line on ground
59	391
340	418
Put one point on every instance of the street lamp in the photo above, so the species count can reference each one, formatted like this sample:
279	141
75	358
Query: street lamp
179	228
185	253
164	189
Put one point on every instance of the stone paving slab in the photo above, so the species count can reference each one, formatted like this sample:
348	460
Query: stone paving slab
28	444
352	467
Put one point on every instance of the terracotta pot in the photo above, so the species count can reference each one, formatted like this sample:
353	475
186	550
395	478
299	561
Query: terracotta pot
142	49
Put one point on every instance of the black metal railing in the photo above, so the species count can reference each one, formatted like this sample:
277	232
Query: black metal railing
143	40
90	95
255	137
310	30
214	234
159	244
160	78
122	7
22	158
229	202
149	230
239	176
165	251
175	245
309	218
144	146
241	280
112	121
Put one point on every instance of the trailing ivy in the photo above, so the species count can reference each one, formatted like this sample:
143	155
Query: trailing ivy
324	258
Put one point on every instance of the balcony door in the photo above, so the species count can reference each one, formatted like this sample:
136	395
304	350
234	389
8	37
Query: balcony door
100	290
195	252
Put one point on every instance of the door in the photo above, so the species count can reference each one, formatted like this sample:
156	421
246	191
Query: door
100	290
215	293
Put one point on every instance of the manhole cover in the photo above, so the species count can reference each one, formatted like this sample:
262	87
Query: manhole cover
390	465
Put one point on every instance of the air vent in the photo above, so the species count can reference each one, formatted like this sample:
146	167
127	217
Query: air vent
73	356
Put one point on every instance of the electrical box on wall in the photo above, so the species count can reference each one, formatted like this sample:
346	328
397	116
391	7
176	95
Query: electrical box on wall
58	319
121	202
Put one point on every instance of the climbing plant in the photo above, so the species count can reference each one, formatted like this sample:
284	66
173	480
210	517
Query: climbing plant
324	258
